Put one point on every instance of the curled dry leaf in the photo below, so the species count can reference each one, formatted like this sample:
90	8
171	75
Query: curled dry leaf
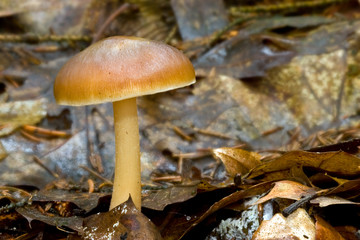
287	189
297	225
347	187
16	114
237	160
340	163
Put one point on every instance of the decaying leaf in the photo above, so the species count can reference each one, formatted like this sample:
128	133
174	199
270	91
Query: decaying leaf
122	222
237	160
16	114
159	199
324	231
31	213
85	201
287	189
297	225
212	16
334	162
247	57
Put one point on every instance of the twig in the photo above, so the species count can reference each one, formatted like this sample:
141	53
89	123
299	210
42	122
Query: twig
41	164
167	179
91	185
171	34
181	133
96	174
44	131
271	131
212	133
30	136
33	38
193	155
111	18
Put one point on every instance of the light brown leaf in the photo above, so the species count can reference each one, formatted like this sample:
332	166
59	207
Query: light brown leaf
325	201
335	162
237	160
16	114
297	225
287	189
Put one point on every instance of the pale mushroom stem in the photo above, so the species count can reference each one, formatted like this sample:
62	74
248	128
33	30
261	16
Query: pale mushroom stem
127	178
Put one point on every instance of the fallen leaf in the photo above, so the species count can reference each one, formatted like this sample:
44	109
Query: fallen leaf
242	57
85	201
122	222
31	213
297	225
16	114
347	187
232	198
189	13
287	189
159	199
334	162
237	160
324	231
325	201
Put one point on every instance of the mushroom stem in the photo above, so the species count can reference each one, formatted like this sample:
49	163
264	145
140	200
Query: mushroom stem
127	178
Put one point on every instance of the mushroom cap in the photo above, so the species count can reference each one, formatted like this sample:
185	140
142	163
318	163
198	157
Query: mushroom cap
120	67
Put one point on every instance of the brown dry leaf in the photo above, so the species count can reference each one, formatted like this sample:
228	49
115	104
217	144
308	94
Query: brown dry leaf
324	231
277	176
31	213
83	200
348	187
287	189
16	114
122	222
340	181
325	201
159	199
335	162
297	225
237	160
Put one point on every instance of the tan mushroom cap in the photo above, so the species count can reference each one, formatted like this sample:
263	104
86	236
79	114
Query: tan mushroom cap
120	67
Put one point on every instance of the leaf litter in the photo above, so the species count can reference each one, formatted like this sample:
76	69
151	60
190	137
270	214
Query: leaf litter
268	89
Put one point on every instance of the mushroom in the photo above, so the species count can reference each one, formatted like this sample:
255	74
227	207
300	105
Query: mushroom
119	69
